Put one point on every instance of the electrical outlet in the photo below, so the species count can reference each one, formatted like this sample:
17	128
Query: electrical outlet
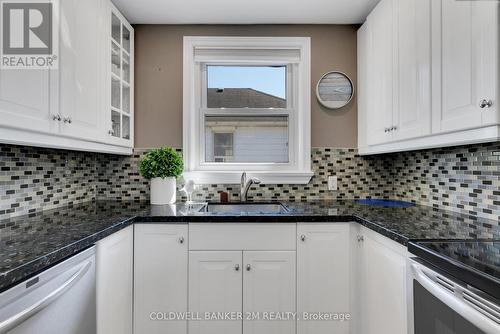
332	183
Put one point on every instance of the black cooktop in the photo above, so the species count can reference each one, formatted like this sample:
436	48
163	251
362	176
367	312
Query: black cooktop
475	262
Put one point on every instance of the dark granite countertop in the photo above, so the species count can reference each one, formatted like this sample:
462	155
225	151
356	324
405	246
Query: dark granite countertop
32	243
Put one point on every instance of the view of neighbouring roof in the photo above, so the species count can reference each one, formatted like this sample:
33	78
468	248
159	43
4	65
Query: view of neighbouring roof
242	98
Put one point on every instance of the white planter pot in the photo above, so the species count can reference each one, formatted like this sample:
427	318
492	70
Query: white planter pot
163	190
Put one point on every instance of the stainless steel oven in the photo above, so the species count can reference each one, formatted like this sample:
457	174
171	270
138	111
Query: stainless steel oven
442	304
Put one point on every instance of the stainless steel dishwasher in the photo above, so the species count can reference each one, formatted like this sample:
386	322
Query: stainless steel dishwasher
59	300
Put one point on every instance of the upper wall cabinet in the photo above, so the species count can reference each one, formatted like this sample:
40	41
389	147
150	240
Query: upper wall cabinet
381	71
395	71
80	70
428	75
120	65
465	59
70	107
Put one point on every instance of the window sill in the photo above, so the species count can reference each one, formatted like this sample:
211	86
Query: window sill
230	177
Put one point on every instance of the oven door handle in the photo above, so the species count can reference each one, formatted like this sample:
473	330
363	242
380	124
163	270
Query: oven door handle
36	307
457	304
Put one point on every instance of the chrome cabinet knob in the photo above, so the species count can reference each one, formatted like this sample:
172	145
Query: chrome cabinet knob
111	132
56	117
181	240
485	103
249	267
361	238
303	237
67	120
237	267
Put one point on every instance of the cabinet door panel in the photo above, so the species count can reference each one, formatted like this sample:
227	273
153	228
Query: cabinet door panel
81	69
380	107
323	276
158	253
413	89
383	287
215	283
24	100
466	57
269	285
114	276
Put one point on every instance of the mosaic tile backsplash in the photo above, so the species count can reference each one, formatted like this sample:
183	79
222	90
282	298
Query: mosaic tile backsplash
462	179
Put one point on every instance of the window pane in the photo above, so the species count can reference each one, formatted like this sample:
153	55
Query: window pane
126	99
115	28
115	93
115	59
126	127
246	139
115	123
126	39
246	86
126	67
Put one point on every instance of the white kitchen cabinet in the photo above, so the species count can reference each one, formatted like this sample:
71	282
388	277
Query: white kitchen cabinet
215	285
382	284
269	285
81	68
160	277
379	113
25	101
396	69
363	85
114	277
428	75
324	279
465	62
69	107
412	84
119	79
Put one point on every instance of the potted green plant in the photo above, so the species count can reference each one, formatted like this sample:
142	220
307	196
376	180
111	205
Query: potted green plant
162	166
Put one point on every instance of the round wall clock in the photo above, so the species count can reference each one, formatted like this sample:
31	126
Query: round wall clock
334	90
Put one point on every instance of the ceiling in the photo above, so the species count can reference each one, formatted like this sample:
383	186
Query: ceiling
245	11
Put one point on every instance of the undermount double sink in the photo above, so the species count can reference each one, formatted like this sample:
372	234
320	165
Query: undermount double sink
245	208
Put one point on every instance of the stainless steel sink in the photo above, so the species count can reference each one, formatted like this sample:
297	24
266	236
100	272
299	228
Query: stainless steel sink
246	208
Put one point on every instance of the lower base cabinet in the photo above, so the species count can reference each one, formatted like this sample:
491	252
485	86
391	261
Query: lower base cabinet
324	279
246	286
215	285
160	278
382	284
114	277
269	287
241	285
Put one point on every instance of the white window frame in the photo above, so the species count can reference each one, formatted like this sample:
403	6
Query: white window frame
298	169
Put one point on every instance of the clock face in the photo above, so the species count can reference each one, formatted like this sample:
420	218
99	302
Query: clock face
334	90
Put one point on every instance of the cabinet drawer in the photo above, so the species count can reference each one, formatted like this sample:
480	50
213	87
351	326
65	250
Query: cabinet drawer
242	236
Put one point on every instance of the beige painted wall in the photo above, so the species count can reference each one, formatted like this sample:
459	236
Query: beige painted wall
158	78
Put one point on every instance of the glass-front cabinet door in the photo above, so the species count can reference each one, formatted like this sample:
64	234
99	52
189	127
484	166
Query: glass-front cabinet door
121	44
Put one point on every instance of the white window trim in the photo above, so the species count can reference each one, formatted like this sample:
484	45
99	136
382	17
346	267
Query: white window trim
298	171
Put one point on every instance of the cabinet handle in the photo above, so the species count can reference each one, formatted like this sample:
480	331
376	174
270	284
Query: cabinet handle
56	117
485	104
386	130
361	238
303	237
181	240
111	132
237	267
249	267
394	128
67	120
